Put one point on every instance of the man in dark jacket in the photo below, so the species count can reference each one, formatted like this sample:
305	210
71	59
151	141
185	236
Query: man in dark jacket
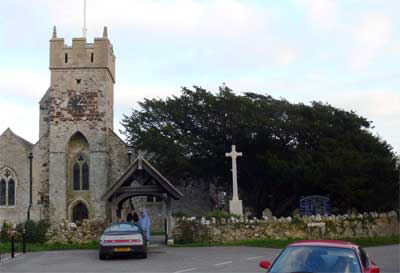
132	216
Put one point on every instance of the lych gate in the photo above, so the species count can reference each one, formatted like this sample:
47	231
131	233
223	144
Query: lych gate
142	179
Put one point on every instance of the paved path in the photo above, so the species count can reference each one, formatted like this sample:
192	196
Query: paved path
386	257
174	260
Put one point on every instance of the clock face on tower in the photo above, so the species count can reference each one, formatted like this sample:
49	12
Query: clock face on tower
77	104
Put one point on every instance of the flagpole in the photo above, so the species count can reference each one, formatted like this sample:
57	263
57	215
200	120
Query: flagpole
84	30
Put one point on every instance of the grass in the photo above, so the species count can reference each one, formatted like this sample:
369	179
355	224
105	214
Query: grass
274	243
377	241
158	232
270	243
6	247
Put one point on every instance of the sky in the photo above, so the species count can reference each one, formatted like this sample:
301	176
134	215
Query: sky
343	52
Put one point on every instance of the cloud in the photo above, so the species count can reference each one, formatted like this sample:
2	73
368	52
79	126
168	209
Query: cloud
222	17
322	14
287	56
23	83
372	35
223	34
380	106
21	118
128	95
312	50
371	104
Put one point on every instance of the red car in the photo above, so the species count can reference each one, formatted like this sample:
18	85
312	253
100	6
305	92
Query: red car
321	256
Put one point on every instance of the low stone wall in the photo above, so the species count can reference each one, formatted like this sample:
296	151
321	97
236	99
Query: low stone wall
191	230
65	232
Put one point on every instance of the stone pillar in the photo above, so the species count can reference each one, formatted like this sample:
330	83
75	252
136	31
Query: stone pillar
168	203
114	207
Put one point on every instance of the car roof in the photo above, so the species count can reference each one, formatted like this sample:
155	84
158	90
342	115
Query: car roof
326	243
119	223
124	223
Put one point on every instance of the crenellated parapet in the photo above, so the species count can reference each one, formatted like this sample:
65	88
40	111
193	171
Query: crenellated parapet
81	54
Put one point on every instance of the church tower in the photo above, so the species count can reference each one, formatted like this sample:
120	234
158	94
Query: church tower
76	117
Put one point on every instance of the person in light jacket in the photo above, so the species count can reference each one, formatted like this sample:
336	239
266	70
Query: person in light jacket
145	223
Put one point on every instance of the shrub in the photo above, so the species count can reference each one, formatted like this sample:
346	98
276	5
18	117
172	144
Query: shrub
41	231
30	231
4	232
180	214
218	214
35	232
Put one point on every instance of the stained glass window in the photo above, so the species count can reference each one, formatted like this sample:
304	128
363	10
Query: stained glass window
81	174
8	187
11	192
3	192
77	177
85	176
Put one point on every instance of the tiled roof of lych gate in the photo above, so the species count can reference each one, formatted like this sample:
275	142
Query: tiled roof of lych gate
163	182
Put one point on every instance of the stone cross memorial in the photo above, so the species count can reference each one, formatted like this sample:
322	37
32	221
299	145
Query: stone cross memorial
235	205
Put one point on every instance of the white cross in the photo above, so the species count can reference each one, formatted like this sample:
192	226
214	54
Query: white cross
140	157
234	154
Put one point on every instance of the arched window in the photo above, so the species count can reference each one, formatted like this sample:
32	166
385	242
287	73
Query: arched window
7	187
80	174
77	177
3	192
79	212
11	192
85	176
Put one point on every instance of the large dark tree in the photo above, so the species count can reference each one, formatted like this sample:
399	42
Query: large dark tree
289	149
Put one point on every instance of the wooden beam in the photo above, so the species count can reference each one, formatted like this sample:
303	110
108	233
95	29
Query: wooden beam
142	190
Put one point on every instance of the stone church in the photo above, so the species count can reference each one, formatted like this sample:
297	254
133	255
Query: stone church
79	168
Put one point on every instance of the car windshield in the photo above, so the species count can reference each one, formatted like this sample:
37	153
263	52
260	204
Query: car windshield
122	227
316	259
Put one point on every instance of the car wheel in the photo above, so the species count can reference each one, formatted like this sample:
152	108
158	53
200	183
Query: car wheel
102	256
143	255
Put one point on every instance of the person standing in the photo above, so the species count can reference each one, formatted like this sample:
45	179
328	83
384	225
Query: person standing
129	216
135	216
145	223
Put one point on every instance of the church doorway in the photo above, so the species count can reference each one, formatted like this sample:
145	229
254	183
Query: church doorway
80	213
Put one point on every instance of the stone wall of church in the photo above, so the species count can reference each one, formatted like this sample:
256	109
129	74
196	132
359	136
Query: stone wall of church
60	172
44	106
14	155
95	87
99	166
40	173
118	157
93	123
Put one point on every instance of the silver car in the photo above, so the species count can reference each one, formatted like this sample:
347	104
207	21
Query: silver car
122	239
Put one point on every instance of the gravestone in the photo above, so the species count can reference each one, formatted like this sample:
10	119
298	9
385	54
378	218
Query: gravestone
267	212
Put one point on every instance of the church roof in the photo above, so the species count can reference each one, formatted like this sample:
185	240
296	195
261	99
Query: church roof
45	96
111	131
142	164
23	141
